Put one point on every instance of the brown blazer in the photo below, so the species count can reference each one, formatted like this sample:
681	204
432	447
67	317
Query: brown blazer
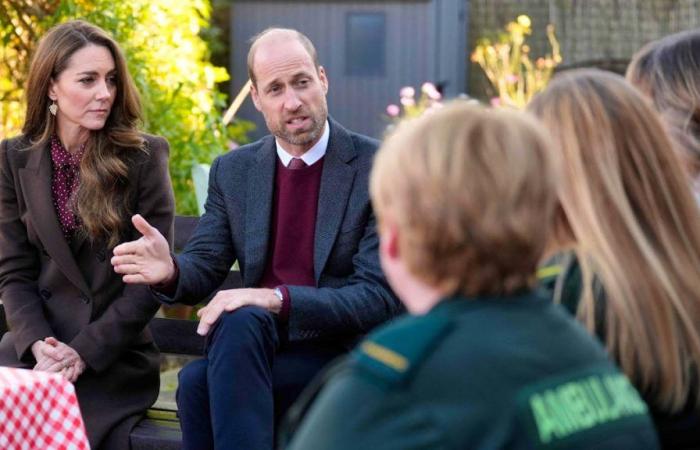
70	291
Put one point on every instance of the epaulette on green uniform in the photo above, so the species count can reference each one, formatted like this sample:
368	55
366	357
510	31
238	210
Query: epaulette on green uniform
560	280
391	355
554	270
547	275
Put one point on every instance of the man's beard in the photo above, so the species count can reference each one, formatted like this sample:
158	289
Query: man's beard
318	120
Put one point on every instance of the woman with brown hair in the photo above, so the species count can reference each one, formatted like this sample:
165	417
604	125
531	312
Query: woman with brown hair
68	186
668	71
628	216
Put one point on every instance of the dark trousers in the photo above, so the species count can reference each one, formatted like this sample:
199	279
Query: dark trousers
233	397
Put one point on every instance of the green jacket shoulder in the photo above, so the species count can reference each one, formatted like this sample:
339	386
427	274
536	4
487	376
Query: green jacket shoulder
392	354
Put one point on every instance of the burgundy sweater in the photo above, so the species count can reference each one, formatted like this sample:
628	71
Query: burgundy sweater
290	257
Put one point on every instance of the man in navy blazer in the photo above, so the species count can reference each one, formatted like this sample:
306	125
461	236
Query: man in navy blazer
294	210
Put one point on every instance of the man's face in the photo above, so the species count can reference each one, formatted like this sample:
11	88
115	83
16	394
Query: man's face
290	93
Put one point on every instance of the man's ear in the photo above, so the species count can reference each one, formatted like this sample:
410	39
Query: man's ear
254	96
324	79
393	244
389	241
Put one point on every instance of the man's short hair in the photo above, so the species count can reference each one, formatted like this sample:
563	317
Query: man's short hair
293	34
472	193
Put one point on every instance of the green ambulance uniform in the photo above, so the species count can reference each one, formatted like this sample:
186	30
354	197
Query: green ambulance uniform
561	280
486	373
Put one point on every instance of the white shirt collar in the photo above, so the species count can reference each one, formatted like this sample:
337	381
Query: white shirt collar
312	155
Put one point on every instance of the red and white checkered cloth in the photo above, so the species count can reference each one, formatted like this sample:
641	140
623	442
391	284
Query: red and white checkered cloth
39	410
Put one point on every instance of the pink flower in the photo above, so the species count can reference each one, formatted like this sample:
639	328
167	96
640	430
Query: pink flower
393	110
407	91
431	91
407	101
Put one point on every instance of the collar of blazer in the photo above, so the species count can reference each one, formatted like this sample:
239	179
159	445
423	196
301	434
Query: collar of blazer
35	181
336	185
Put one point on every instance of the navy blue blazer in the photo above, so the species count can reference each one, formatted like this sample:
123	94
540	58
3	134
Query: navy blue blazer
351	294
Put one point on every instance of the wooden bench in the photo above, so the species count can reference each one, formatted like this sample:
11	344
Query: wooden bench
160	429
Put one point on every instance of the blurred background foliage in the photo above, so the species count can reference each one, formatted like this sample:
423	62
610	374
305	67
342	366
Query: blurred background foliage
167	45
507	63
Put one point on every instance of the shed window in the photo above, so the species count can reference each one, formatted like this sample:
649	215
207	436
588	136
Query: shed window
365	44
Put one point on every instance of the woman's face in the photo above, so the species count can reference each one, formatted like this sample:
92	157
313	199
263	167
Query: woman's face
85	90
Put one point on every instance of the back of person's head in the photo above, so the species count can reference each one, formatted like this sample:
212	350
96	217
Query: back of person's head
635	226
471	191
51	58
671	78
641	67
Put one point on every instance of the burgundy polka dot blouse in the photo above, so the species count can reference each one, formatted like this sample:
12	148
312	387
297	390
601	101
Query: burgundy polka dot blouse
65	182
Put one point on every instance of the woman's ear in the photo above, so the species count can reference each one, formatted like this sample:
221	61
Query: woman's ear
52	91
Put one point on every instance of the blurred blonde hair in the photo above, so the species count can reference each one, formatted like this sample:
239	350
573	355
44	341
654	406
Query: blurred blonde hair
471	191
636	228
668	71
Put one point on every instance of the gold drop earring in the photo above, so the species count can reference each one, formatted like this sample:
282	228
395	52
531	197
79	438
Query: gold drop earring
53	107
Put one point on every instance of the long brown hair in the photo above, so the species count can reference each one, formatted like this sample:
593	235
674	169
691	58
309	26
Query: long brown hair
668	71
101	201
636	229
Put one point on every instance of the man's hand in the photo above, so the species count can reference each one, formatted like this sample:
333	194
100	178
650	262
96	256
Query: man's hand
53	355
232	299
146	260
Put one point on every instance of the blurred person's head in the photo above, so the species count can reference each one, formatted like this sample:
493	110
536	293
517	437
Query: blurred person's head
288	87
671	79
463	197
641	67
79	89
634	224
